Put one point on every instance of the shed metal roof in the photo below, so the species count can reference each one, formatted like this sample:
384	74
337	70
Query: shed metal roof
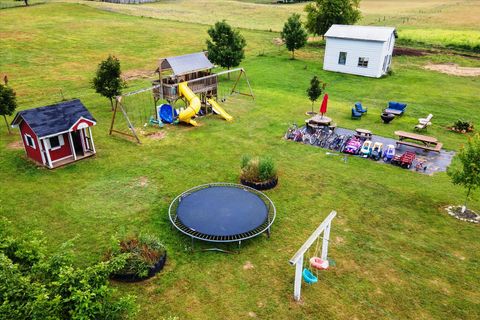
187	63
55	118
369	33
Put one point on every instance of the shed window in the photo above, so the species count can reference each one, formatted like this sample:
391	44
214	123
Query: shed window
29	141
56	142
363	62
342	58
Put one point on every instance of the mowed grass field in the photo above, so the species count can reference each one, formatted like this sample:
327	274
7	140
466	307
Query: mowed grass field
398	255
455	21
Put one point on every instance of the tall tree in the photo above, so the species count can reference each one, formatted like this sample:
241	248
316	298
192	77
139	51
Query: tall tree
321	14
314	91
8	103
226	46
294	34
465	168
107	80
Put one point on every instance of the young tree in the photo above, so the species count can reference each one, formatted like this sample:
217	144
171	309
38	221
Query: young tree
294	34
8	103
465	168
321	14
107	80
226	46
315	91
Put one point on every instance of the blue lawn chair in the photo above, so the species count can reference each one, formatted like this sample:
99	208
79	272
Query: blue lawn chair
356	114
359	108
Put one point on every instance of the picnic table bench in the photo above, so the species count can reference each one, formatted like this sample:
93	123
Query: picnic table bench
363	133
426	143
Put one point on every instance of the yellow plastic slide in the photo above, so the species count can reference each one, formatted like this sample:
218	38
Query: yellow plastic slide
219	110
193	104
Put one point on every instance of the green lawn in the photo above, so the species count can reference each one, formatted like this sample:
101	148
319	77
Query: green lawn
398	254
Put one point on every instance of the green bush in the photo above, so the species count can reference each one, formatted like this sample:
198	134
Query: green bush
143	252
462	126
257	169
35	285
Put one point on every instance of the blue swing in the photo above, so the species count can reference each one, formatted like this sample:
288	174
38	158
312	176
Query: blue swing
309	277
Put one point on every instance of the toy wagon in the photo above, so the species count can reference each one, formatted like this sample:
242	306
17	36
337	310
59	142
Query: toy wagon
405	160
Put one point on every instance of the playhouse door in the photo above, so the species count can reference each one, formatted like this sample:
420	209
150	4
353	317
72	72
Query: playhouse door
77	143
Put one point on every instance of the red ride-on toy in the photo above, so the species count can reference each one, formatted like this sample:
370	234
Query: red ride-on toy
405	160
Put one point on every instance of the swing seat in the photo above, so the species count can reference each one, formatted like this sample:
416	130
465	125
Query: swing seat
309	277
318	263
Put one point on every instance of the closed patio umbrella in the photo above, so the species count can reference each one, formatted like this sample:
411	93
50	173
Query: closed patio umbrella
323	107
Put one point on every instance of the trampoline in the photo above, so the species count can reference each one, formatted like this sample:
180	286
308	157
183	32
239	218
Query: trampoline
222	212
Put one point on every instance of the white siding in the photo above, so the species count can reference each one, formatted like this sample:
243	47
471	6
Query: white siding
375	51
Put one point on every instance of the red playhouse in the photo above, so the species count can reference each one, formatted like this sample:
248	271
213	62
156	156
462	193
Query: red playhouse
57	134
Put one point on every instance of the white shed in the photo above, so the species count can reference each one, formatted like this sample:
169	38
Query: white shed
361	50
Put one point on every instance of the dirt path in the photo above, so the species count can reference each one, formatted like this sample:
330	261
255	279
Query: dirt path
454	69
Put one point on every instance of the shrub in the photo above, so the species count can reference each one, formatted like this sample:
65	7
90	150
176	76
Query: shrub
462	126
143	253
35	285
257	169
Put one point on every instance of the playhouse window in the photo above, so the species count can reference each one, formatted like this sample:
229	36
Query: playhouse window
55	142
342	58
29	140
363	62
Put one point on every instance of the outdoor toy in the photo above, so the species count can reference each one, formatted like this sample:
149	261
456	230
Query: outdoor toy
389	153
353	146
167	113
319	263
309	277
222	212
405	160
366	149
154	122
377	151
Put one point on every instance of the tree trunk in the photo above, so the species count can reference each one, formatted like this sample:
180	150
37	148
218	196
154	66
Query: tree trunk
228	68
26	2
293	54
6	122
464	207
111	103
312	107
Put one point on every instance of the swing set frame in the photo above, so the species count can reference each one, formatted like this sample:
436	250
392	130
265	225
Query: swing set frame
157	94
297	259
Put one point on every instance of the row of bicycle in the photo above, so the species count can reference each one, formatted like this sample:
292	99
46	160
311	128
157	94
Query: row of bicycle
352	144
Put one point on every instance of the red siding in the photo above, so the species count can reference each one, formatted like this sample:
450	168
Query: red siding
31	152
64	151
85	121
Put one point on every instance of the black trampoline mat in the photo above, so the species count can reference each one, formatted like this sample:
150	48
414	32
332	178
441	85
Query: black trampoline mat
222	211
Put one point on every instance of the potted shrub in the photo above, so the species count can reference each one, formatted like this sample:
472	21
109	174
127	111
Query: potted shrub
146	256
258	172
462	126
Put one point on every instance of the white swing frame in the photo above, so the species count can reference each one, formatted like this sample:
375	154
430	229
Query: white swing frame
297	259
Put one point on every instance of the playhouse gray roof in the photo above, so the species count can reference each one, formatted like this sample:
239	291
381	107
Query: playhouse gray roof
187	63
370	33
55	118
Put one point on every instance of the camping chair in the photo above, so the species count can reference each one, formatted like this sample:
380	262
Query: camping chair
359	108
423	123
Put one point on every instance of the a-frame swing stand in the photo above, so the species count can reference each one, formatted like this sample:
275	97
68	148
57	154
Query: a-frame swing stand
297	259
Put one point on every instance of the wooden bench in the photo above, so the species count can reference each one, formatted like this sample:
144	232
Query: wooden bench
436	148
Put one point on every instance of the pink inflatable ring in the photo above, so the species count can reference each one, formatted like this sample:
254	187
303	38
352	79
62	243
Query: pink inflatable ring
318	263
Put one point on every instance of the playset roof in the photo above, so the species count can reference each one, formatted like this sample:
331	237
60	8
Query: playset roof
187	63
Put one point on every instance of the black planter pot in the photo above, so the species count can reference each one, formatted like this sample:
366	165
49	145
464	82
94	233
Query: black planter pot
134	278
387	117
272	183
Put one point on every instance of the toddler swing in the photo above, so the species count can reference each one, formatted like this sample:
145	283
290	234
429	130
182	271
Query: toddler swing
317	264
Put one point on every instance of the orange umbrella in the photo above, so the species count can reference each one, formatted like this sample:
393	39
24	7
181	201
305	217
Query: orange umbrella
323	107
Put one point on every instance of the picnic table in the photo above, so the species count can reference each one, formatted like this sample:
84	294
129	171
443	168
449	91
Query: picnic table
319	120
363	133
426	143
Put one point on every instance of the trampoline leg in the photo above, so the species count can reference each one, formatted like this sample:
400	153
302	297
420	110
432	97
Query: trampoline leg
268	233
193	248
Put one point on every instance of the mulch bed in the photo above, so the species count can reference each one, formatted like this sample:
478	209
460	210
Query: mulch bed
468	215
